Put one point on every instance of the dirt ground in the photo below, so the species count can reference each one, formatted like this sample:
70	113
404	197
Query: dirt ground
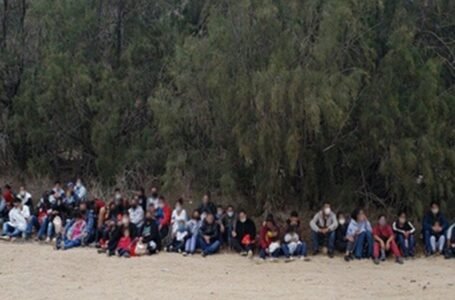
32	271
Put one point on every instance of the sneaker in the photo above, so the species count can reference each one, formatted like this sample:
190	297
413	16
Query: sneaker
101	251
185	254
376	261
399	260
48	240
315	252
250	254
305	258
287	259
330	254
126	255
203	254
347	258
243	253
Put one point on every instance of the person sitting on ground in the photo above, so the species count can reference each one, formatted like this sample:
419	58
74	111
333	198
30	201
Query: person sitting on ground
73	234
141	198
228	222
86	210
57	192
434	227
292	246
165	213
150	233
340	234
152	201
136	213
244	235
80	190
17	223
219	220
207	206
25	197
323	226
384	241
450	237
359	236
179	238
209	236
71	199
123	222
125	244
8	195
178	214
269	239
3	209
193	226
404	233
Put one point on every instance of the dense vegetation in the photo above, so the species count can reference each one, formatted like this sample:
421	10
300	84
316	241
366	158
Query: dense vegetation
282	102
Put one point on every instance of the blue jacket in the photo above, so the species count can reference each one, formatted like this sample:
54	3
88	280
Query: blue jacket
357	228
429	219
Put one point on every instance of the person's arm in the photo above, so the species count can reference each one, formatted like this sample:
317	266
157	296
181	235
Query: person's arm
313	223
427	222
262	239
444	223
413	229
449	233
396	229
334	222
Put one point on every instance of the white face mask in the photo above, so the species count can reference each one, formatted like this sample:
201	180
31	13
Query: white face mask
242	220
327	210
341	221
118	196
230	213
435	211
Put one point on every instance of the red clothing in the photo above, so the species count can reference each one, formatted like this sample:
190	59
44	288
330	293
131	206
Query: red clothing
265	238
99	204
384	233
167	213
8	196
124	243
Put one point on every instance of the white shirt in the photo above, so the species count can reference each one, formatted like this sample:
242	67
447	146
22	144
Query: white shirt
176	217
136	215
17	219
80	191
25	212
151	201
24	197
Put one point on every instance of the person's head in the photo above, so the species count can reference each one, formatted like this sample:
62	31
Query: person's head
382	220
134	202
8	187
294	218
149	215
78	181
341	218
126	232
270	221
206	198
154	192
242	215
17	203
434	207
83	207
358	215
22	191
219	210
117	195
195	215
437	223
210	218
141	191
161	201
79	215
230	211
326	210
125	220
57	185
402	217
179	205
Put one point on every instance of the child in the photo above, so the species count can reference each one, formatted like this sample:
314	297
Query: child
359	236
178	214
292	245
180	237
404	233
269	239
151	233
124	245
437	239
340	233
244	236
193	226
384	241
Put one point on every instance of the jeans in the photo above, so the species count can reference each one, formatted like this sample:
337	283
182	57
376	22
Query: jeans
190	244
362	241
437	244
319	238
32	223
407	246
301	250
46	228
10	231
211	248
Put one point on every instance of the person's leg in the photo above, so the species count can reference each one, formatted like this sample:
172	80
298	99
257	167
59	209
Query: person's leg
285	250
213	247
262	253
50	229
358	244
303	249
394	249
235	244
411	245
43	228
202	244
331	242
402	244
376	250
315	241
276	253
370	241
68	244
432	244
5	229
441	243
427	241
30	225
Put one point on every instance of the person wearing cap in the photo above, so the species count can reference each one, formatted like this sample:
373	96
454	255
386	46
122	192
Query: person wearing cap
323	226
17	223
269	239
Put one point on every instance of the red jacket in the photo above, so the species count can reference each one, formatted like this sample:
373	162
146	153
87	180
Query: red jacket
167	213
8	196
384	232
124	243
264	237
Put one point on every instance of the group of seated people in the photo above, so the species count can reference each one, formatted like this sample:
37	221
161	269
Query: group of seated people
147	225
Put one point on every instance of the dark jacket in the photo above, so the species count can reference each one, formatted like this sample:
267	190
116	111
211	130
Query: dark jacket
209	207
242	229
430	219
210	230
151	232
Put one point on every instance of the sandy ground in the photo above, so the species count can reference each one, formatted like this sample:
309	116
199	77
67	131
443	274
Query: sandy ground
32	271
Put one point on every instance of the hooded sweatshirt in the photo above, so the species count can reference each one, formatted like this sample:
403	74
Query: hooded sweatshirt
355	228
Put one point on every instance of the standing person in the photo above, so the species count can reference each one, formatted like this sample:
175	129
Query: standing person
341	241
165	213
178	214
88	213
244	235
269	239
323	226
434	227
292	246
136	214
17	223
384	241
193	227
404	232
152	201
209	236
80	190
359	236
150	233
207	206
